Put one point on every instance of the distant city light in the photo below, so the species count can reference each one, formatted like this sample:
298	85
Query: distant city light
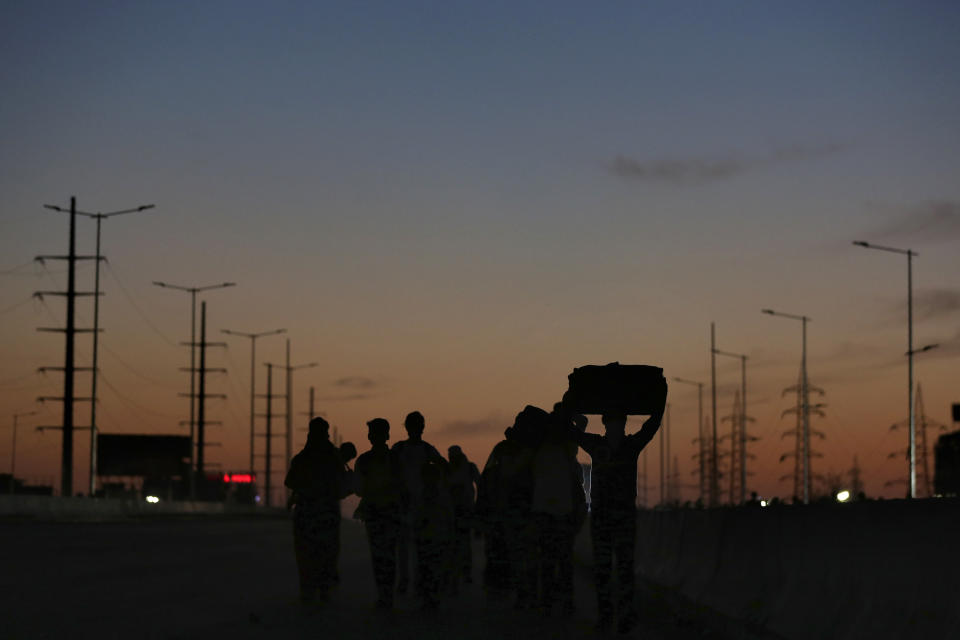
153	499
763	503
239	478
843	496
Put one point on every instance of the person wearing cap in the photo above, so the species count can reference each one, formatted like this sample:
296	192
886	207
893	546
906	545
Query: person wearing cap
412	454
378	480
316	478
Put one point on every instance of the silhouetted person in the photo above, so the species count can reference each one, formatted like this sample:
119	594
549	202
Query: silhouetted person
560	508
433	533
613	518
412	454
316	479
378	485
462	477
507	492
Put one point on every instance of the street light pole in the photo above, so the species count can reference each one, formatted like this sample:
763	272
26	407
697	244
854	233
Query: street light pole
193	291
804	400
910	351
253	358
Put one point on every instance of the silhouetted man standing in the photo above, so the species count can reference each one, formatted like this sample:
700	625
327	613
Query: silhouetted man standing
412	454
559	509
506	495
463	477
316	479
378	485
613	518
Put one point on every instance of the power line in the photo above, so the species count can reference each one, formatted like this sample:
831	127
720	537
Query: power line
134	371
13	271
16	305
143	316
132	403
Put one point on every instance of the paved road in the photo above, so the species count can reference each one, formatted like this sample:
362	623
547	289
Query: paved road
226	579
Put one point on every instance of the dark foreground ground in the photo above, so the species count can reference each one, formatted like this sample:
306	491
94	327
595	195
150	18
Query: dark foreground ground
236	578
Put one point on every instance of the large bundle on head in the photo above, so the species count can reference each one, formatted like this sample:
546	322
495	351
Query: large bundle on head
632	389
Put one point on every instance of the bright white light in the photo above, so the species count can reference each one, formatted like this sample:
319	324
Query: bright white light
153	499
763	503
843	496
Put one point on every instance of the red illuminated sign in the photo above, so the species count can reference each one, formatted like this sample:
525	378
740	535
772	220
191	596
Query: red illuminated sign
238	478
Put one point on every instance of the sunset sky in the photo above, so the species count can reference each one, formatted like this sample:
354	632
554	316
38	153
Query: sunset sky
450	205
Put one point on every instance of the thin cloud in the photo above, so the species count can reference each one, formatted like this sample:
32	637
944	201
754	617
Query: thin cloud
703	170
355	382
929	221
351	388
928	304
472	428
934	303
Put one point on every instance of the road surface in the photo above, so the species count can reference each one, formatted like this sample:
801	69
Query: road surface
236	578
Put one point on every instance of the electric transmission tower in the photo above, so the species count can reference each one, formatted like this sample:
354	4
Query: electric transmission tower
922	423
800	454
704	459
739	437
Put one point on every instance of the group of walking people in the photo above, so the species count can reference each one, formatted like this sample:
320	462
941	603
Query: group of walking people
421	511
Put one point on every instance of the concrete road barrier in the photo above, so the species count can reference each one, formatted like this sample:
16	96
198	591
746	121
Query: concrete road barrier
875	569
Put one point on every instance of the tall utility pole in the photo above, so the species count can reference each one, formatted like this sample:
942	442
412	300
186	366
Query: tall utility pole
714	479
288	435
69	366
253	358
805	399
202	394
96	331
193	291
913	425
700	435
268	448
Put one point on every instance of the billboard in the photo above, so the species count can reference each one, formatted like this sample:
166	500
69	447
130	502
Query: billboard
142	455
